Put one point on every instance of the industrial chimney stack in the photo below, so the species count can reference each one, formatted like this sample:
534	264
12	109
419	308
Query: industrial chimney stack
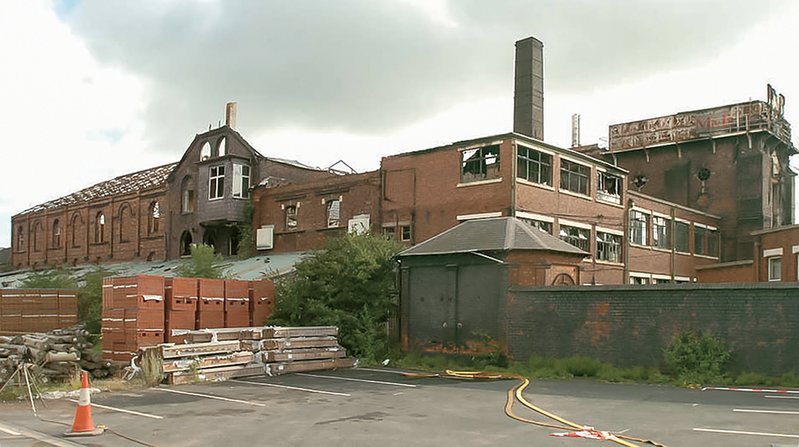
528	95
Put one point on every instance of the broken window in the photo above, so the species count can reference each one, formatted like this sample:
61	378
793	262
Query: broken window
579	237
681	236
221	147
638	226
73	228
608	187
389	232
56	233
154	218
20	238
639	280
216	182
99	228
608	247
36	230
205	152
241	181
406	233
480	164
575	177
546	227
291	218
661	232
534	166
333	213
187	204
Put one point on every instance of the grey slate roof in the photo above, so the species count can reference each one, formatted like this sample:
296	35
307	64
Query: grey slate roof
492	234
136	181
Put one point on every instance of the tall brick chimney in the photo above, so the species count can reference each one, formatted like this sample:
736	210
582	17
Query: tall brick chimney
230	115
528	94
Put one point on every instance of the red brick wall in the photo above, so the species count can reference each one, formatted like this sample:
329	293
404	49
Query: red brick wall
357	194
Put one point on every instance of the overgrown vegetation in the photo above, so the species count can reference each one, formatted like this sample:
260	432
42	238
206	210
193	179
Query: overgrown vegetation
90	291
204	263
246	248
697	357
346	285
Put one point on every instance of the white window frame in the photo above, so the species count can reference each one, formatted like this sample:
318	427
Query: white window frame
775	269
241	181
602	177
640	231
215	181
613	245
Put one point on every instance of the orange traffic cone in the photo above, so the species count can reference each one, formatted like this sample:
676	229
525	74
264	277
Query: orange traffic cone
83	425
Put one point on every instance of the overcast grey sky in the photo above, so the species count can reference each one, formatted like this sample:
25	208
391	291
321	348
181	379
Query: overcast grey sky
100	88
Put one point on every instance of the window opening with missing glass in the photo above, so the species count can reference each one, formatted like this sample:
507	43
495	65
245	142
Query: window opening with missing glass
608	187
638	227
534	166
661	232
333	213
546	227
608	247
99	228
480	164
241	181
216	182
576	236
154	218
188	201
56	234
291	218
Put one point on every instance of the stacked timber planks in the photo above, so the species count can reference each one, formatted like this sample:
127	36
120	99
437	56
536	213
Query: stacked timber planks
220	354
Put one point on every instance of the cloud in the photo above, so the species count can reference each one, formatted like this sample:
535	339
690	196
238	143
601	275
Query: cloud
376	66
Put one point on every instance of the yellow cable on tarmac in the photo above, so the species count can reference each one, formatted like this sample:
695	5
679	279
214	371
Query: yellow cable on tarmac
517	392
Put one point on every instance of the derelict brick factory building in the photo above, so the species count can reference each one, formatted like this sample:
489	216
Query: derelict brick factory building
157	213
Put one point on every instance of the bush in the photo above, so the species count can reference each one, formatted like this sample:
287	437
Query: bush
789	379
348	285
204	263
90	300
750	378
697	357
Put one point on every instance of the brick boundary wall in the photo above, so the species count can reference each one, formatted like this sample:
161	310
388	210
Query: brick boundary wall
631	325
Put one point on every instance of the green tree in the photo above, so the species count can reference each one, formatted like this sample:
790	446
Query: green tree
90	299
54	278
246	247
347	285
204	263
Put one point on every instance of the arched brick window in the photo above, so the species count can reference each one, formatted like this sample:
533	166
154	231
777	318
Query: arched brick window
73	229
20	238
154	218
56	233
99	228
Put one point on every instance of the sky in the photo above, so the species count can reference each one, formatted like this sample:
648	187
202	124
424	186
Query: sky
93	89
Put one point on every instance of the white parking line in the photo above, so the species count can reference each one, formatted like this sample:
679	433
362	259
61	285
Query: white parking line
210	396
382	370
753	433
741	410
104	407
308	390
10	432
357	380
781	397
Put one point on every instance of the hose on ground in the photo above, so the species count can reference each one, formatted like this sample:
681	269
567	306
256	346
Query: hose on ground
516	393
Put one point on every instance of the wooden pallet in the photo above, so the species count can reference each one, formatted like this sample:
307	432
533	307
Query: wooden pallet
236	358
276	369
302	354
177	351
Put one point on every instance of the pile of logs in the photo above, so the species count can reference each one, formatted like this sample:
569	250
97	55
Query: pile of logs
56	355
221	354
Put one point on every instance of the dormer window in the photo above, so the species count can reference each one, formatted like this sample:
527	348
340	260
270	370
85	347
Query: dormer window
205	152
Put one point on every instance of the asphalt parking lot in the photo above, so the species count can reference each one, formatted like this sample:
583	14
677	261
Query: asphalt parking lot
370	406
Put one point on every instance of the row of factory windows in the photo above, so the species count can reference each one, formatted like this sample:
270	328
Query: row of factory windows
483	163
98	225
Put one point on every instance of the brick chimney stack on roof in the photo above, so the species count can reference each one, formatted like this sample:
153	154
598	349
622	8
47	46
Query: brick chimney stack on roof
230	115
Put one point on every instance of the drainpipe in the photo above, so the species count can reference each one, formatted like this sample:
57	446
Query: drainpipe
673	226
514	173
627	214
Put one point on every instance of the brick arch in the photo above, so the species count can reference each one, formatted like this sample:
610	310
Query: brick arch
76	230
126	229
38	235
